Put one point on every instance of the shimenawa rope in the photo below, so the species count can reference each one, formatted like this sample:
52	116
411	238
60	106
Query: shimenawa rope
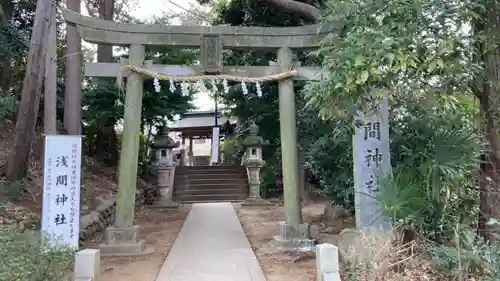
195	79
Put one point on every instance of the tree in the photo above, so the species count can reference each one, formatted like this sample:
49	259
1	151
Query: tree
264	110
50	86
429	50
424	54
107	140
72	96
103	104
33	84
485	87
106	136
15	30
307	11
106	10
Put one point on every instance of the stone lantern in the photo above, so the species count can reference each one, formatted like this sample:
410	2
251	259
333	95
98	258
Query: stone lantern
253	162
163	145
165	167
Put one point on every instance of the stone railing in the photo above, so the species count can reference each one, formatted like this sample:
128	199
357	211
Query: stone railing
327	262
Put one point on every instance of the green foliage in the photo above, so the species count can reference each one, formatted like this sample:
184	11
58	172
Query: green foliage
263	110
25	257
104	104
470	258
420	55
435	155
230	150
8	105
408	47
144	158
104	107
253	13
14	44
12	191
329	159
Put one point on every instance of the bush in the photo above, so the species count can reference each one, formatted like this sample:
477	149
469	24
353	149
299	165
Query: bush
468	258
329	159
434	167
8	104
378	256
24	260
434	154
12	190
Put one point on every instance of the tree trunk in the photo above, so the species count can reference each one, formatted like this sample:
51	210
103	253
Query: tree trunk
50	89
50	86
108	146
106	12
72	95
490	181
489	98
33	83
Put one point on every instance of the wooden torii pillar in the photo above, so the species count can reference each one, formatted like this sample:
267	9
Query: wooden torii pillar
122	237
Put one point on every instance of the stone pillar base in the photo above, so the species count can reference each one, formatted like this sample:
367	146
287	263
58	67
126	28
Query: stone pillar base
257	202
291	239
124	242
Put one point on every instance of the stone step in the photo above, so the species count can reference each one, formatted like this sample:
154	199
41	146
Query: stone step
210	185
210	176
210	201
210	169
196	191
196	181
210	198
197	184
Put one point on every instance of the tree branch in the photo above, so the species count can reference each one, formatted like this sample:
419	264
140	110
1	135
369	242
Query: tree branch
304	10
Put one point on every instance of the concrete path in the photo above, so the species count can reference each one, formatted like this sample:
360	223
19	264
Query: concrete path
211	246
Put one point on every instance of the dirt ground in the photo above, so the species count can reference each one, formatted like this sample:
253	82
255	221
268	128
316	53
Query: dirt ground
261	224
159	228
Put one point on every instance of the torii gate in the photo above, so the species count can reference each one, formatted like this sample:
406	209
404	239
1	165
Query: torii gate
211	40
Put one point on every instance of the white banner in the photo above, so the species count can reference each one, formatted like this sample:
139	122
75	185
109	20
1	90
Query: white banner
61	189
215	145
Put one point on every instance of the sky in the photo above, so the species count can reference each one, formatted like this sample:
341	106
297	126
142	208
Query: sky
146	9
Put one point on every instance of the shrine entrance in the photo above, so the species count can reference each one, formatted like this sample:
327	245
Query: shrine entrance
200	133
211	40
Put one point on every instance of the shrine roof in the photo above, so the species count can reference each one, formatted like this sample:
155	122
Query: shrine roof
197	119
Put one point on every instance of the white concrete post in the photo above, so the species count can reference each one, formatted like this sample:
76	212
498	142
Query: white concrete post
327	262
87	265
